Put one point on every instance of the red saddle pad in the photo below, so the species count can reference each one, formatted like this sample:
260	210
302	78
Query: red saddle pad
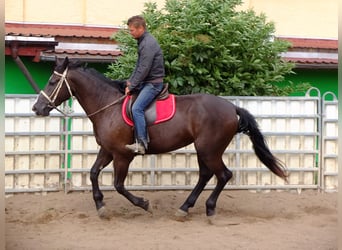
159	111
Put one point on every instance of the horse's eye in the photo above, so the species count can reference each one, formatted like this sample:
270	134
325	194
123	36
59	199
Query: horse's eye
52	80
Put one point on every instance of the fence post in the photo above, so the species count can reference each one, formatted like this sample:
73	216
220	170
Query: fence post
319	139
329	160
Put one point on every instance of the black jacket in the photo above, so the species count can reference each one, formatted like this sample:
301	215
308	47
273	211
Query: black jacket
150	63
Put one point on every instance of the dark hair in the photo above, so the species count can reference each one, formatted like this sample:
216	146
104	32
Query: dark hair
137	21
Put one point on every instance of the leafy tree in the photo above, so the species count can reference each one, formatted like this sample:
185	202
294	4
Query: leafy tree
211	47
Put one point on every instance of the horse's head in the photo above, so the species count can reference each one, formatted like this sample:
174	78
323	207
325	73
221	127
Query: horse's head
56	91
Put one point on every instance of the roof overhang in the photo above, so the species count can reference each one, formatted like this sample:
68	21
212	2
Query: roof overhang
312	53
312	59
47	42
28	46
30	39
89	52
84	56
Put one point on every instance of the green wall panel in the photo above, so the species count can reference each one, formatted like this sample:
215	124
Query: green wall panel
323	79
15	81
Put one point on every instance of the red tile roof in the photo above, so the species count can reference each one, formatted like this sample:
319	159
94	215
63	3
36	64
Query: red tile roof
103	33
320	61
325	51
87	55
87	52
51	30
96	35
311	43
59	52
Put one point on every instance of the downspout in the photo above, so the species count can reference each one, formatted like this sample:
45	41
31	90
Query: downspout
21	65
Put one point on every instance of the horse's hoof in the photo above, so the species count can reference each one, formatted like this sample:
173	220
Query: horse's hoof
181	215
211	219
103	213
146	206
149	209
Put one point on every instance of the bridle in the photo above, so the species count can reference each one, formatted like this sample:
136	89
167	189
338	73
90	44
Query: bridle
52	98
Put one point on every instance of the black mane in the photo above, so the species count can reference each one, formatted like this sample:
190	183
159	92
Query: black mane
118	84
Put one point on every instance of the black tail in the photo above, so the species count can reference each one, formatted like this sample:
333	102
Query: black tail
249	126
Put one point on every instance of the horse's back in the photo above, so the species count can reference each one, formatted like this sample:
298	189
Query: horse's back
204	111
204	119
206	105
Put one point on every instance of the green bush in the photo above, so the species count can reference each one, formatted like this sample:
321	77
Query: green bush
210	47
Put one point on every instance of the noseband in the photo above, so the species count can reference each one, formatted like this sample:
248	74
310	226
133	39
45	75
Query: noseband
52	98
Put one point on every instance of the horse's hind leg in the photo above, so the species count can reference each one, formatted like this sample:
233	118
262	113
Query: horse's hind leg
204	176
102	160
223	175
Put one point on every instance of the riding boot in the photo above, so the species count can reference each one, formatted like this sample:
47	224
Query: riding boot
143	142
139	147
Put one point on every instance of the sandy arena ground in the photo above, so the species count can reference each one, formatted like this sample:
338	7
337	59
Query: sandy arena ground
245	220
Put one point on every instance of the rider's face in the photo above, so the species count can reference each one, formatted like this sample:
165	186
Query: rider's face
136	32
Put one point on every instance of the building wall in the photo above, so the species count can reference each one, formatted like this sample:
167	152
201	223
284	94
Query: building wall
306	18
89	12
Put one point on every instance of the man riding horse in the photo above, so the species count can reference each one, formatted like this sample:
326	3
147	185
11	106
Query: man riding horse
146	80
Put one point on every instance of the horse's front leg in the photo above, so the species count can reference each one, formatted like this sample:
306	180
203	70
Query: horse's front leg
121	165
102	160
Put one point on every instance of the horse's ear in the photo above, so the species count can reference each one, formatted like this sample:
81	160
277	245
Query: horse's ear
61	64
66	62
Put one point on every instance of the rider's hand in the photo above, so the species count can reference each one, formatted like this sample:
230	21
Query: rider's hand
127	92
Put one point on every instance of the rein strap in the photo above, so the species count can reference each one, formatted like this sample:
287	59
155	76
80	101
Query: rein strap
107	106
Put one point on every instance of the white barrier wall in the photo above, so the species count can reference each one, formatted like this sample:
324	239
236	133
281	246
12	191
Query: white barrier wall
52	153
32	147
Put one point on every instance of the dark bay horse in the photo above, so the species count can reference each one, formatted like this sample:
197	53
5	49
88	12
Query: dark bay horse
208	121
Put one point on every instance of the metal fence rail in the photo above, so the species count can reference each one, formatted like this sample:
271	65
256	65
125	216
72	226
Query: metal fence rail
329	143
56	152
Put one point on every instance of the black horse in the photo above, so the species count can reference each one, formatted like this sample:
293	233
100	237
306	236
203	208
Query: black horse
208	121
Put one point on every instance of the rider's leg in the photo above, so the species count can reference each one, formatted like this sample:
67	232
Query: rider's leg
145	97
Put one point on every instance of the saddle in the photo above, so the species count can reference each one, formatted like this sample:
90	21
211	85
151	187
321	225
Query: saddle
160	110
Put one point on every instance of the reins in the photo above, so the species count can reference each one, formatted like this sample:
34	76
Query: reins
107	106
56	91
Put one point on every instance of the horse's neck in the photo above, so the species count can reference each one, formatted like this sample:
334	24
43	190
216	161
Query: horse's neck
94	94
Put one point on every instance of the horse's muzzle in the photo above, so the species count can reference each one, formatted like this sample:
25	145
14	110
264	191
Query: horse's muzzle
41	111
